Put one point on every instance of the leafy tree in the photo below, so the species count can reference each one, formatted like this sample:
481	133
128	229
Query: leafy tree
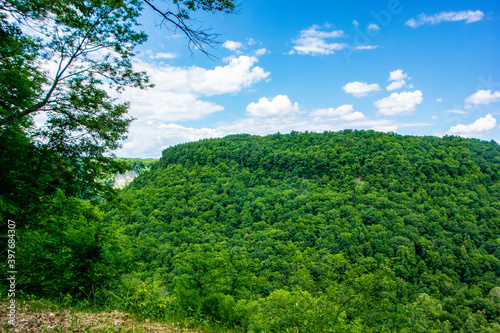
59	59
74	51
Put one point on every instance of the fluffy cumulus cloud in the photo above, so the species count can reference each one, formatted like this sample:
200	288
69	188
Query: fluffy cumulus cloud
179	96
239	73
373	27
397	75
170	106
360	89
266	116
399	103
468	16
281	115
482	97
178	93
398	79
315	42
344	112
231	45
480	126
278	106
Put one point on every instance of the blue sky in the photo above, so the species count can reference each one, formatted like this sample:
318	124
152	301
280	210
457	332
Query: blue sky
410	67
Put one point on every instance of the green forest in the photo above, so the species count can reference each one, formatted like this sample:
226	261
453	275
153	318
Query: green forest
336	232
350	231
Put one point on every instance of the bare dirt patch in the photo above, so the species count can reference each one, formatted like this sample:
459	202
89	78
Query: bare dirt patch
29	319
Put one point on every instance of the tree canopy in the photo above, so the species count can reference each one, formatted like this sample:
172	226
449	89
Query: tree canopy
60	60
334	232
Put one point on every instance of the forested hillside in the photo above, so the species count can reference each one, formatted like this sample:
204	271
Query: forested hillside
354	231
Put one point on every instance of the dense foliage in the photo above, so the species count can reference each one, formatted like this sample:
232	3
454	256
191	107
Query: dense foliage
58	61
337	232
140	165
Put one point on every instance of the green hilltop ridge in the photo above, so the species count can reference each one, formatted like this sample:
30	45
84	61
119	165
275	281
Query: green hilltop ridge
351	231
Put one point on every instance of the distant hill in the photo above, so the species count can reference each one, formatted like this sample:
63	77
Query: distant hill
352	231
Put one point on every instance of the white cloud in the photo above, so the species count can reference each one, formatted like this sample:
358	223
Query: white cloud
228	59
279	114
238	74
439	100
165	55
397	104
265	125
434	117
261	52
355	23
278	106
396	85
385	128
360	89
231	45
398	78
314	42
169	105
231	78
482	97
320	120
344	112
469	16
386	125
366	47
179	96
397	75
160	55
149	139
480	126
356	115
373	27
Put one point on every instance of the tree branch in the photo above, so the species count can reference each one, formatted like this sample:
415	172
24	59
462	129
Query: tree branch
57	79
196	38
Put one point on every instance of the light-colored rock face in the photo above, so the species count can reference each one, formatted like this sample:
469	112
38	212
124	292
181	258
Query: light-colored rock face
122	179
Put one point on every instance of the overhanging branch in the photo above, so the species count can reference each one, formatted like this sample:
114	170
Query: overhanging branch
197	38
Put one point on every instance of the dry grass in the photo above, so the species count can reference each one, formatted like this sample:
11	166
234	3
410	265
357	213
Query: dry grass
45	317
